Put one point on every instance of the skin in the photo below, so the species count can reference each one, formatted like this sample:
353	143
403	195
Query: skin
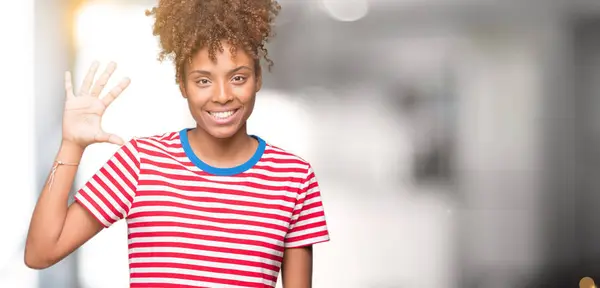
222	85
296	270
229	83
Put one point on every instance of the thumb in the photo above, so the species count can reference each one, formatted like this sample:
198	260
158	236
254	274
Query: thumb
110	138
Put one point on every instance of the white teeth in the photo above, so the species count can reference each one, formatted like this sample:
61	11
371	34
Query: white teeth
222	115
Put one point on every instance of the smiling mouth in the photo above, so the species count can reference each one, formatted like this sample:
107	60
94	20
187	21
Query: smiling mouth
222	114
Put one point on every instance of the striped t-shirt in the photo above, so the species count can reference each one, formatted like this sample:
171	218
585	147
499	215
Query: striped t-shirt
193	225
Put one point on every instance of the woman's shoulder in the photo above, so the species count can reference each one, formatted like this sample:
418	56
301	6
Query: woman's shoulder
158	138
287	156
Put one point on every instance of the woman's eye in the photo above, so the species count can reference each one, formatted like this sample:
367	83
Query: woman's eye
203	81
238	78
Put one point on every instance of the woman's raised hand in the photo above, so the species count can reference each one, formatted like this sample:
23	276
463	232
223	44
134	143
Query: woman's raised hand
83	110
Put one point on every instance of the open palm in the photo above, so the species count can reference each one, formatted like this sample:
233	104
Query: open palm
83	111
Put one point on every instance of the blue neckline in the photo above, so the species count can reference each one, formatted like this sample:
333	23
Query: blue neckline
185	143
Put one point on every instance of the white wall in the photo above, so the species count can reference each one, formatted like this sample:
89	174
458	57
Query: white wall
499	169
17	169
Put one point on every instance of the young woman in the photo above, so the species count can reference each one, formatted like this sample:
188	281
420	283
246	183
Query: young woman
208	206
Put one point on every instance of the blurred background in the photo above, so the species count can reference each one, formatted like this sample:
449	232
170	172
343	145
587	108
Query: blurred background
456	142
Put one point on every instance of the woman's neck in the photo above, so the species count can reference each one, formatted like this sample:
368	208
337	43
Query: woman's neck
222	152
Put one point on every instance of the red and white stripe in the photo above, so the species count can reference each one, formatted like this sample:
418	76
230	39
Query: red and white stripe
189	228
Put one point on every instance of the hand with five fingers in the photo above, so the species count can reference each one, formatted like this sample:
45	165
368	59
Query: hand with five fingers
83	110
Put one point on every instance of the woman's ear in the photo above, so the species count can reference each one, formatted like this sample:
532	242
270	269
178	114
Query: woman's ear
182	87
258	78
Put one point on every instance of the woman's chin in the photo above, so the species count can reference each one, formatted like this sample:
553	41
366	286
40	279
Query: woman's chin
223	132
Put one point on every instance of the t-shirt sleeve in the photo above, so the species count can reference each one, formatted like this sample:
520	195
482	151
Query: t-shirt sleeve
308	225
109	193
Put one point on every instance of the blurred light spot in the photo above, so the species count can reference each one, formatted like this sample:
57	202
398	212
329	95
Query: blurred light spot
346	10
587	282
91	22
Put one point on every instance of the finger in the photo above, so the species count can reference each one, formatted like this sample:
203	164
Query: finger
115	92
68	85
89	78
103	79
110	138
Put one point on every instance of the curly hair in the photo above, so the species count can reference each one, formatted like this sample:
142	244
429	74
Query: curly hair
187	26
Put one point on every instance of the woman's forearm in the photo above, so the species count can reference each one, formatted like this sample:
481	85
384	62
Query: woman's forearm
51	209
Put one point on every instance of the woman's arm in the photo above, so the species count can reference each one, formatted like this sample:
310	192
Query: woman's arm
297	267
57	229
307	228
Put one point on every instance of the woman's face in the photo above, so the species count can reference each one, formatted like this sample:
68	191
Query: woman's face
221	93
